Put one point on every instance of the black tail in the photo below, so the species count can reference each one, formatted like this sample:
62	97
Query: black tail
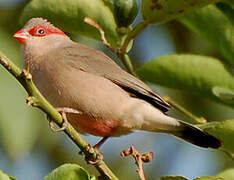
197	136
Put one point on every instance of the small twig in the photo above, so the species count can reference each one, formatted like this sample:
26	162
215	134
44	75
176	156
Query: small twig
132	34
200	120
127	63
94	24
123	57
37	100
126	39
139	159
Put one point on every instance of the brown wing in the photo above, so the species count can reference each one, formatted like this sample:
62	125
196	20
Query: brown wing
96	62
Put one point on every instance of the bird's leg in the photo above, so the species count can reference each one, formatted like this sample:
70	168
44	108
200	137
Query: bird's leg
95	148
27	65
100	143
62	111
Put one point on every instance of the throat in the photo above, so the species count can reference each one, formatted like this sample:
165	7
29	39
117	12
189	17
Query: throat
41	46
32	54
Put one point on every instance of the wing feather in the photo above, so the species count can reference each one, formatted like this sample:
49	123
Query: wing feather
96	62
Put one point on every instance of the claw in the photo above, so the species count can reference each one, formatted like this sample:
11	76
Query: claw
64	125
68	110
99	157
62	111
97	161
26	74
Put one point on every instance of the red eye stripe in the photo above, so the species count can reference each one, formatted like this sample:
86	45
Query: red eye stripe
48	31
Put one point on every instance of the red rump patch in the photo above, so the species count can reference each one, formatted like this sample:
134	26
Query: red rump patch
44	30
92	126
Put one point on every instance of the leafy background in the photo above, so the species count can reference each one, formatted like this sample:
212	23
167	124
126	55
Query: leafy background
204	85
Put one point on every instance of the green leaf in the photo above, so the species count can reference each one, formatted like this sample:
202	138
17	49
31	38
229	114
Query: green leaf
159	11
93	178
69	15
12	178
19	127
227	174
4	176
224	131
191	73
227	10
224	94
183	178
69	172
230	2
110	4
212	24
209	178
172	178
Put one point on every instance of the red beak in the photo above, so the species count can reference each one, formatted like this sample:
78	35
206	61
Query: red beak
21	36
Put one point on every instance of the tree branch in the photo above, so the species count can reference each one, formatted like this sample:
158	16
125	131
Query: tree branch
37	100
139	159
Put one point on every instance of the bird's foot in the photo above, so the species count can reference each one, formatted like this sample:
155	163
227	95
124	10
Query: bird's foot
97	146
25	73
93	157
62	111
95	149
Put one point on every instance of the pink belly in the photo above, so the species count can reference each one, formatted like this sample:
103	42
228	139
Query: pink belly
92	126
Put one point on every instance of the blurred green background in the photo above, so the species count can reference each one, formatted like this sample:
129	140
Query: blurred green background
29	150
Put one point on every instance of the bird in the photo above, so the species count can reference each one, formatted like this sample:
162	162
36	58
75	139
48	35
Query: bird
112	102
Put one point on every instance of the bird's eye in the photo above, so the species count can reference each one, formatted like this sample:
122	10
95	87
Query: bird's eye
41	31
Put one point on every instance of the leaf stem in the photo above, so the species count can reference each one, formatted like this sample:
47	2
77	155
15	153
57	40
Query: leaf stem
132	34
37	100
126	39
127	63
196	119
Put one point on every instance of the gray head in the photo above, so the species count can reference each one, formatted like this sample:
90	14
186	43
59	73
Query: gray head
39	36
37	21
37	28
